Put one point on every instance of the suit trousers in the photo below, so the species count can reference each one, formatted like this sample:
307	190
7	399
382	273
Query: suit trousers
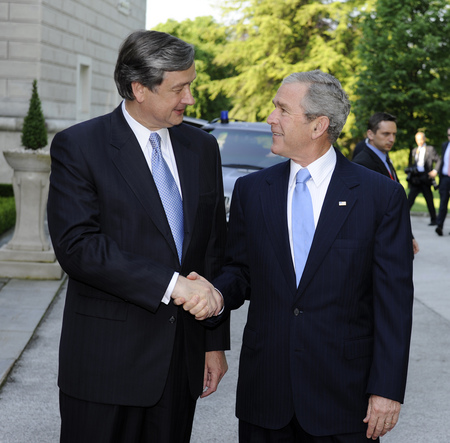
293	433
169	421
444	194
423	188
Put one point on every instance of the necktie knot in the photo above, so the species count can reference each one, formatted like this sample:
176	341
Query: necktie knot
155	141
303	176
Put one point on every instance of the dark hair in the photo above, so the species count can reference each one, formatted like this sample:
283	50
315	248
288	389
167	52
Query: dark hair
145	57
325	97
374	121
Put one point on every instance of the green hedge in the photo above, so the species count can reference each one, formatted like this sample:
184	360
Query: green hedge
6	190
7	213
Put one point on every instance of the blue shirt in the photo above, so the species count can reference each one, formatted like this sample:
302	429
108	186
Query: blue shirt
381	155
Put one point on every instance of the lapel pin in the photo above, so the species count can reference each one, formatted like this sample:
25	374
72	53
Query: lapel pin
342	203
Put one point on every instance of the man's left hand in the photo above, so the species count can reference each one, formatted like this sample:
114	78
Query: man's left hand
382	416
215	368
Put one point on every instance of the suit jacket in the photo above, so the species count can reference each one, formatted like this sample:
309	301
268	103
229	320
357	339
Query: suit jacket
445	146
112	238
431	160
320	349
369	159
358	148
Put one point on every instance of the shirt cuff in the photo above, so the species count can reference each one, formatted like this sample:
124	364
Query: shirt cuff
223	302
170	288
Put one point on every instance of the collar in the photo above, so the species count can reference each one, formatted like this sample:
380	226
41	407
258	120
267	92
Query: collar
319	169
141	132
382	155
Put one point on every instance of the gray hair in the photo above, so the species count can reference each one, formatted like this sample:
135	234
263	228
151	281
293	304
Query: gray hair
325	97
145	57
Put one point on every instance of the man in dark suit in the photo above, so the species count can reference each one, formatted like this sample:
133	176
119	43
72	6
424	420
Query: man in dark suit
135	204
325	350
381	134
444	185
424	162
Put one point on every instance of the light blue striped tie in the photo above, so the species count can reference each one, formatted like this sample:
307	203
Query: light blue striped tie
168	192
302	222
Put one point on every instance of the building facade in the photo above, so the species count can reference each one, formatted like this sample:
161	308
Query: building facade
70	47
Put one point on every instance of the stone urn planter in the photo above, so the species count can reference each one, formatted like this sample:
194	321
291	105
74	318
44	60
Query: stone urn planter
29	254
30	183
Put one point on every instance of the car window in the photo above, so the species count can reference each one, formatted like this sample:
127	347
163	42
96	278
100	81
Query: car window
246	148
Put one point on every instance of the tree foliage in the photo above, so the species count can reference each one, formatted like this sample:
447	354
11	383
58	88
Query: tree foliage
34	131
208	38
273	39
389	56
405	67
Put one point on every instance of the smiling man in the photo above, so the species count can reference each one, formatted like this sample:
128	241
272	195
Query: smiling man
136	203
325	348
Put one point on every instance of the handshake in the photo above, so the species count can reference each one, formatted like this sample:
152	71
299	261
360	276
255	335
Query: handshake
198	296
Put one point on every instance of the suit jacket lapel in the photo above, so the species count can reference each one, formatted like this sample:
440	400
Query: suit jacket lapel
130	161
337	205
274	208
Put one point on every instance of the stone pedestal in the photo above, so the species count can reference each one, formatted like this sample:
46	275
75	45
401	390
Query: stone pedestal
29	254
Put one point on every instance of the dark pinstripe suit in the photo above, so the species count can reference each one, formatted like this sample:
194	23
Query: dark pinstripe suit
320	349
111	236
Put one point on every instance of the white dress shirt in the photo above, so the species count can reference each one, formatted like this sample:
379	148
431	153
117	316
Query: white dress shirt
321	171
446	161
143	137
420	158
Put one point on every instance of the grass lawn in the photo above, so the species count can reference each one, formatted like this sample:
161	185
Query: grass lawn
421	206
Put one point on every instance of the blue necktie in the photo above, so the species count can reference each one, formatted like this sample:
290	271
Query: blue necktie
302	222
168	192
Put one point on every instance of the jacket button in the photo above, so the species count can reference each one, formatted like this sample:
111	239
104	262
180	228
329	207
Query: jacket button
297	311
172	319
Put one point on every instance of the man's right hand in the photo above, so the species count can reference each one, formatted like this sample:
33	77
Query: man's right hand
197	296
